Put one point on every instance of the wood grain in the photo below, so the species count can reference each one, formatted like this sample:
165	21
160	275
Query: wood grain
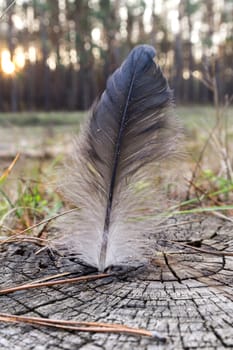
183	293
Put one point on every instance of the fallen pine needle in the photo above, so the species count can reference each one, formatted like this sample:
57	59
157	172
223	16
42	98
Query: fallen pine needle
82	326
222	216
162	227
52	283
201	250
47	278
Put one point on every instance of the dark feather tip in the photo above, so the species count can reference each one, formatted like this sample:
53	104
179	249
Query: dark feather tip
141	55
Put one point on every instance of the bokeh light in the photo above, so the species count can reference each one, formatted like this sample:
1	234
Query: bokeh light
8	67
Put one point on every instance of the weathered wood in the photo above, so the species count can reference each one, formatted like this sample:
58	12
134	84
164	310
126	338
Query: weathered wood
185	293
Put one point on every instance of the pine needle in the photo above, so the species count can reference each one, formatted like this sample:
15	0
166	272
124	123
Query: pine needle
201	250
52	283
82	326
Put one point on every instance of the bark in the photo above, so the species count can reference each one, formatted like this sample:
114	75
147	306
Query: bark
185	293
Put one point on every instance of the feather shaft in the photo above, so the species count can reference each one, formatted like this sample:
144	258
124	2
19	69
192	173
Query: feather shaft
104	245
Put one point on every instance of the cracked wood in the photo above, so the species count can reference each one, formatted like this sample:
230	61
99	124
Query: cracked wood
183	293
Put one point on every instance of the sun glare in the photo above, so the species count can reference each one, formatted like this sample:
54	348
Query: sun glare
7	65
19	57
18	22
174	21
96	34
32	54
51	61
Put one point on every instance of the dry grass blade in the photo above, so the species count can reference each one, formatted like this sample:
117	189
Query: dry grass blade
9	169
81	326
203	192
8	229
48	220
17	237
199	160
52	283
14	209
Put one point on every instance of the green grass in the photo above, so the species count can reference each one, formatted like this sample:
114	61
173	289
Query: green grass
202	118
41	118
28	196
191	116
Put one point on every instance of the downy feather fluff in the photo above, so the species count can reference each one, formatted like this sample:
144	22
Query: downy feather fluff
130	127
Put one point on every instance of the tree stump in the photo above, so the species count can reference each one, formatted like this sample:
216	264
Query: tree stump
185	292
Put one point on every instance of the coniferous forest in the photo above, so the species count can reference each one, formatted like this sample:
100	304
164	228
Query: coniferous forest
57	54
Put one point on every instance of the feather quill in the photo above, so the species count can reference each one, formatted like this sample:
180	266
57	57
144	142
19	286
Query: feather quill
130	126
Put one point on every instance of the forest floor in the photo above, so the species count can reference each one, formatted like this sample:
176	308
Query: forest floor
43	140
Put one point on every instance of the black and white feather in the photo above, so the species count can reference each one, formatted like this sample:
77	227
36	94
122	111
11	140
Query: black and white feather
131	126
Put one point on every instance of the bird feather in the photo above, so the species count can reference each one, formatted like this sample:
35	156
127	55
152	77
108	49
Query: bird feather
131	126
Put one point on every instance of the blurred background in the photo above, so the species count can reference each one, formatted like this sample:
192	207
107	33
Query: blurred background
57	54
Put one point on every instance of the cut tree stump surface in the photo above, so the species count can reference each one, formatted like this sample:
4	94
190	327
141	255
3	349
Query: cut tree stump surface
185	292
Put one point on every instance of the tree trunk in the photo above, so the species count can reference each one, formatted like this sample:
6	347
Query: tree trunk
185	293
191	96
11	46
